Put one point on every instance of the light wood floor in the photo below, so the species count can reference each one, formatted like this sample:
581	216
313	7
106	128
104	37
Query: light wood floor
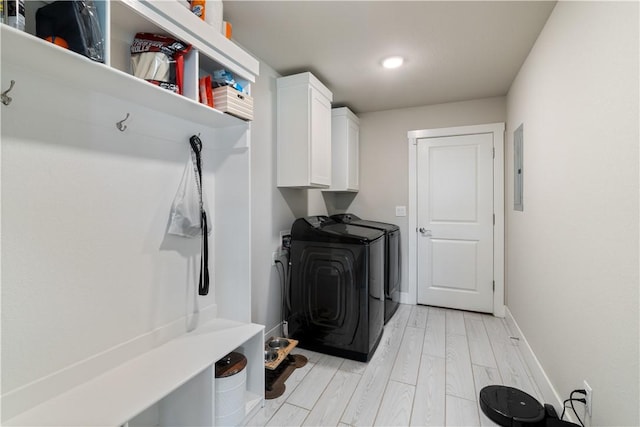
427	371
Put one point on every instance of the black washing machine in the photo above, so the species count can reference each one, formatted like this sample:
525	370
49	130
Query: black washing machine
336	294
392	262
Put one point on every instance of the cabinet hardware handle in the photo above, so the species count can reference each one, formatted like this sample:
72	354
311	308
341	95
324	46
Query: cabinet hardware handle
120	125
6	99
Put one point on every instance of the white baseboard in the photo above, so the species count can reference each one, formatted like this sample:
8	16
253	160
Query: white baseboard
406	298
499	310
549	393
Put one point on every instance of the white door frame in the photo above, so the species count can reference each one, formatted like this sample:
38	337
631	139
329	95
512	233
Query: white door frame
497	129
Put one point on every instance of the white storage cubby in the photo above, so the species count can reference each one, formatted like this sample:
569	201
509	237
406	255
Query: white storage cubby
61	148
303	132
121	19
345	150
171	385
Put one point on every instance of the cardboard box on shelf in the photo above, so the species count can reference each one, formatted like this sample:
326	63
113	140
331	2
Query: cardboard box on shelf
231	101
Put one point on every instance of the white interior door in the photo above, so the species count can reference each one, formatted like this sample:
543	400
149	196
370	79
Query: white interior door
455	221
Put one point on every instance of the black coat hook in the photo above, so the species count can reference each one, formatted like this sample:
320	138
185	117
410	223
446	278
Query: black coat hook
120	125
4	97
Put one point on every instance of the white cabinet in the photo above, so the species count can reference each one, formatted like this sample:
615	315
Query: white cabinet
128	338
345	150
303	132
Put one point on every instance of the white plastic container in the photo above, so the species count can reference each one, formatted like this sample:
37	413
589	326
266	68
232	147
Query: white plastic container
230	388
213	15
15	14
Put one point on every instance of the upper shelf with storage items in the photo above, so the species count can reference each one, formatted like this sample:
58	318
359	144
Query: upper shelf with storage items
345	150
304	132
119	21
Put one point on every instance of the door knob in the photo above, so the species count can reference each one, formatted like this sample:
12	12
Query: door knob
424	231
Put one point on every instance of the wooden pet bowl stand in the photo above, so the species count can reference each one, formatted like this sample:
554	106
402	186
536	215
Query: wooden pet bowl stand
277	371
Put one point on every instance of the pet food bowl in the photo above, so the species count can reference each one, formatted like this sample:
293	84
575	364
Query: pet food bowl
270	355
277	343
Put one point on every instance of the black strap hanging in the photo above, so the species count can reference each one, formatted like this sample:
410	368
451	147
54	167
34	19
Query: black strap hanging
203	285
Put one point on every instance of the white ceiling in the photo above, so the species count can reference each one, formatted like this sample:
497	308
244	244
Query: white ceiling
454	50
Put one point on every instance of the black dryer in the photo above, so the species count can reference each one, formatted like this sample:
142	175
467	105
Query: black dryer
392	259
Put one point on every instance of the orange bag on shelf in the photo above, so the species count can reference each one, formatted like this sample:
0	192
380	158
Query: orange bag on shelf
199	8
206	93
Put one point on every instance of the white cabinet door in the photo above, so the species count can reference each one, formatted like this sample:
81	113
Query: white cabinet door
353	150
320	135
345	146
304	132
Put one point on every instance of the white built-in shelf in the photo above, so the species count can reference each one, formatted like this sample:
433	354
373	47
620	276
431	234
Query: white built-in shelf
117	396
33	54
171	16
120	21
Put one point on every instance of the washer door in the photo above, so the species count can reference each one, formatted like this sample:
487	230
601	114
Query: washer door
329	294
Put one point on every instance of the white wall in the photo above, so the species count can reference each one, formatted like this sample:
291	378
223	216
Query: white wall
273	209
572	255
384	158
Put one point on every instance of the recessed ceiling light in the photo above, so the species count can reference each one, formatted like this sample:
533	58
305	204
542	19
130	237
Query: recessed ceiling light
393	62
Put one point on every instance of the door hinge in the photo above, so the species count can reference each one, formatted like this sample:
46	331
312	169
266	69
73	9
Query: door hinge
494	286
494	152
494	219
